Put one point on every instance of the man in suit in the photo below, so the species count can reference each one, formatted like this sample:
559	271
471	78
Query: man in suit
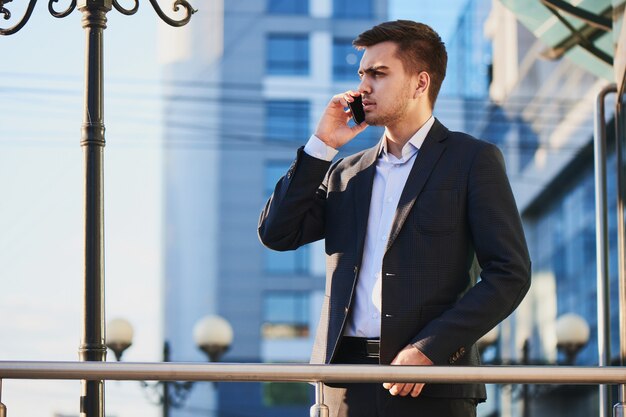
402	224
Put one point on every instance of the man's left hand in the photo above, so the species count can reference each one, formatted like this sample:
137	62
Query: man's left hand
410	355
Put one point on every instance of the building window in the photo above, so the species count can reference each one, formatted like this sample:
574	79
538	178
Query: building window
366	139
287	120
346	60
290	262
285	315
299	7
288	54
350	9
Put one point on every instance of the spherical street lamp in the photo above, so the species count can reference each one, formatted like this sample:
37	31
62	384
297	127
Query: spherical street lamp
119	336
572	333
212	334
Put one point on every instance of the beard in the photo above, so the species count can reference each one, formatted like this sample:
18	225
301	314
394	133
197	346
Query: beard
393	113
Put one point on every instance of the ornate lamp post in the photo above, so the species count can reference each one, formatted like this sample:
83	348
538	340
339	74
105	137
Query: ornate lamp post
572	334
92	347
212	334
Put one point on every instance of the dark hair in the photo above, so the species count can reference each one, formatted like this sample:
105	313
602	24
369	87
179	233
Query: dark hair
419	48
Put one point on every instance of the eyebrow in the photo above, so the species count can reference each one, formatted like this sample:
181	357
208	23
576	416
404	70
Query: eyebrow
374	68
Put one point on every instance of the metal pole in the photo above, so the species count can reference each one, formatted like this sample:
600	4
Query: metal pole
256	372
602	249
619	409
166	388
92	346
319	409
3	409
525	388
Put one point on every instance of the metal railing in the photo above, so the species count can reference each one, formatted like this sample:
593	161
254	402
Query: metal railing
319	374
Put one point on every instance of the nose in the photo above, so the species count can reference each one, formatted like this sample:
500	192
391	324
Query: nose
364	86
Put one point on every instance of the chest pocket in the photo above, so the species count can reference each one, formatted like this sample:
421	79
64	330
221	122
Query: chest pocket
436	212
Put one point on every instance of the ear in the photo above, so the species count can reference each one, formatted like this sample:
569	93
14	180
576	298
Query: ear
422	85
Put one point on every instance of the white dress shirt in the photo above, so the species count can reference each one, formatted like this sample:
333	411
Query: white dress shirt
389	180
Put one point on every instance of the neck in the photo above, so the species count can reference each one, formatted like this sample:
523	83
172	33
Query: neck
398	135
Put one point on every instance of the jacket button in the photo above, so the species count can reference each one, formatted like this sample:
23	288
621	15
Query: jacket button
345	310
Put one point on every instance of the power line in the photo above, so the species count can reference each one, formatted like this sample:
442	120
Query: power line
259	86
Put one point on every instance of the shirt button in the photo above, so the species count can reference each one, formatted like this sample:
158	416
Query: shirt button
389	200
383	238
374	315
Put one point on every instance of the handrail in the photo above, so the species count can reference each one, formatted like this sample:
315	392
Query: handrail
255	372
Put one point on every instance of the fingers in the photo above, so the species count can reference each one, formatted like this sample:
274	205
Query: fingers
417	389
403	389
344	98
359	128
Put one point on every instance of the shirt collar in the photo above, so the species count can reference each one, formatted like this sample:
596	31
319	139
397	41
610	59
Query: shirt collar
414	144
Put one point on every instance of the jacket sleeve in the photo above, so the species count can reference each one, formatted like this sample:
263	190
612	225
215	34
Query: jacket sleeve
294	214
498	239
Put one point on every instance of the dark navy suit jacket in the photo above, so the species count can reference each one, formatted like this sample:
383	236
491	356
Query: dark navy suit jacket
456	205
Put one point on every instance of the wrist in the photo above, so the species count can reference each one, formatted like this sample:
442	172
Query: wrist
324	138
422	356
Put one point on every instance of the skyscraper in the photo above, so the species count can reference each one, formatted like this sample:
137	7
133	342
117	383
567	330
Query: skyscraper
243	91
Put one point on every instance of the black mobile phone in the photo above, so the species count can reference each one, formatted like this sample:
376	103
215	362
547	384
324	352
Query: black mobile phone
356	108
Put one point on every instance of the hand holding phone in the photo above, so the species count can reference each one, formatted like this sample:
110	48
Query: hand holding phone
356	108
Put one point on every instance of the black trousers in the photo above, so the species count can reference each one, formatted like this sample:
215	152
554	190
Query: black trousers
372	400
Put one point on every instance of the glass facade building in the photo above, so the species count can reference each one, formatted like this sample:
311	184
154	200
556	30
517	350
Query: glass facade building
255	91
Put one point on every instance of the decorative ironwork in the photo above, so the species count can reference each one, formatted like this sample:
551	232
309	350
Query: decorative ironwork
127	12
172	393
5	12
583	37
596	20
181	6
23	20
64	13
176	7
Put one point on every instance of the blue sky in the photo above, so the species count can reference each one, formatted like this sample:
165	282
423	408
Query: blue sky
441	15
41	87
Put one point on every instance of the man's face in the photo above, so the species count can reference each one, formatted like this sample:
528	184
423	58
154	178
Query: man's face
385	86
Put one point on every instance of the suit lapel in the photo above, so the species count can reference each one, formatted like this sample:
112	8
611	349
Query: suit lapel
364	181
425	161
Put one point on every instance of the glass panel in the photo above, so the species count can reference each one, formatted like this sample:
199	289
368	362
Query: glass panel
288	54
285	315
350	9
366	139
538	19
300	7
290	262
274	170
346	60
287	120
567	239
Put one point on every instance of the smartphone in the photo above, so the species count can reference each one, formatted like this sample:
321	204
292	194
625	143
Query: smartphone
356	108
